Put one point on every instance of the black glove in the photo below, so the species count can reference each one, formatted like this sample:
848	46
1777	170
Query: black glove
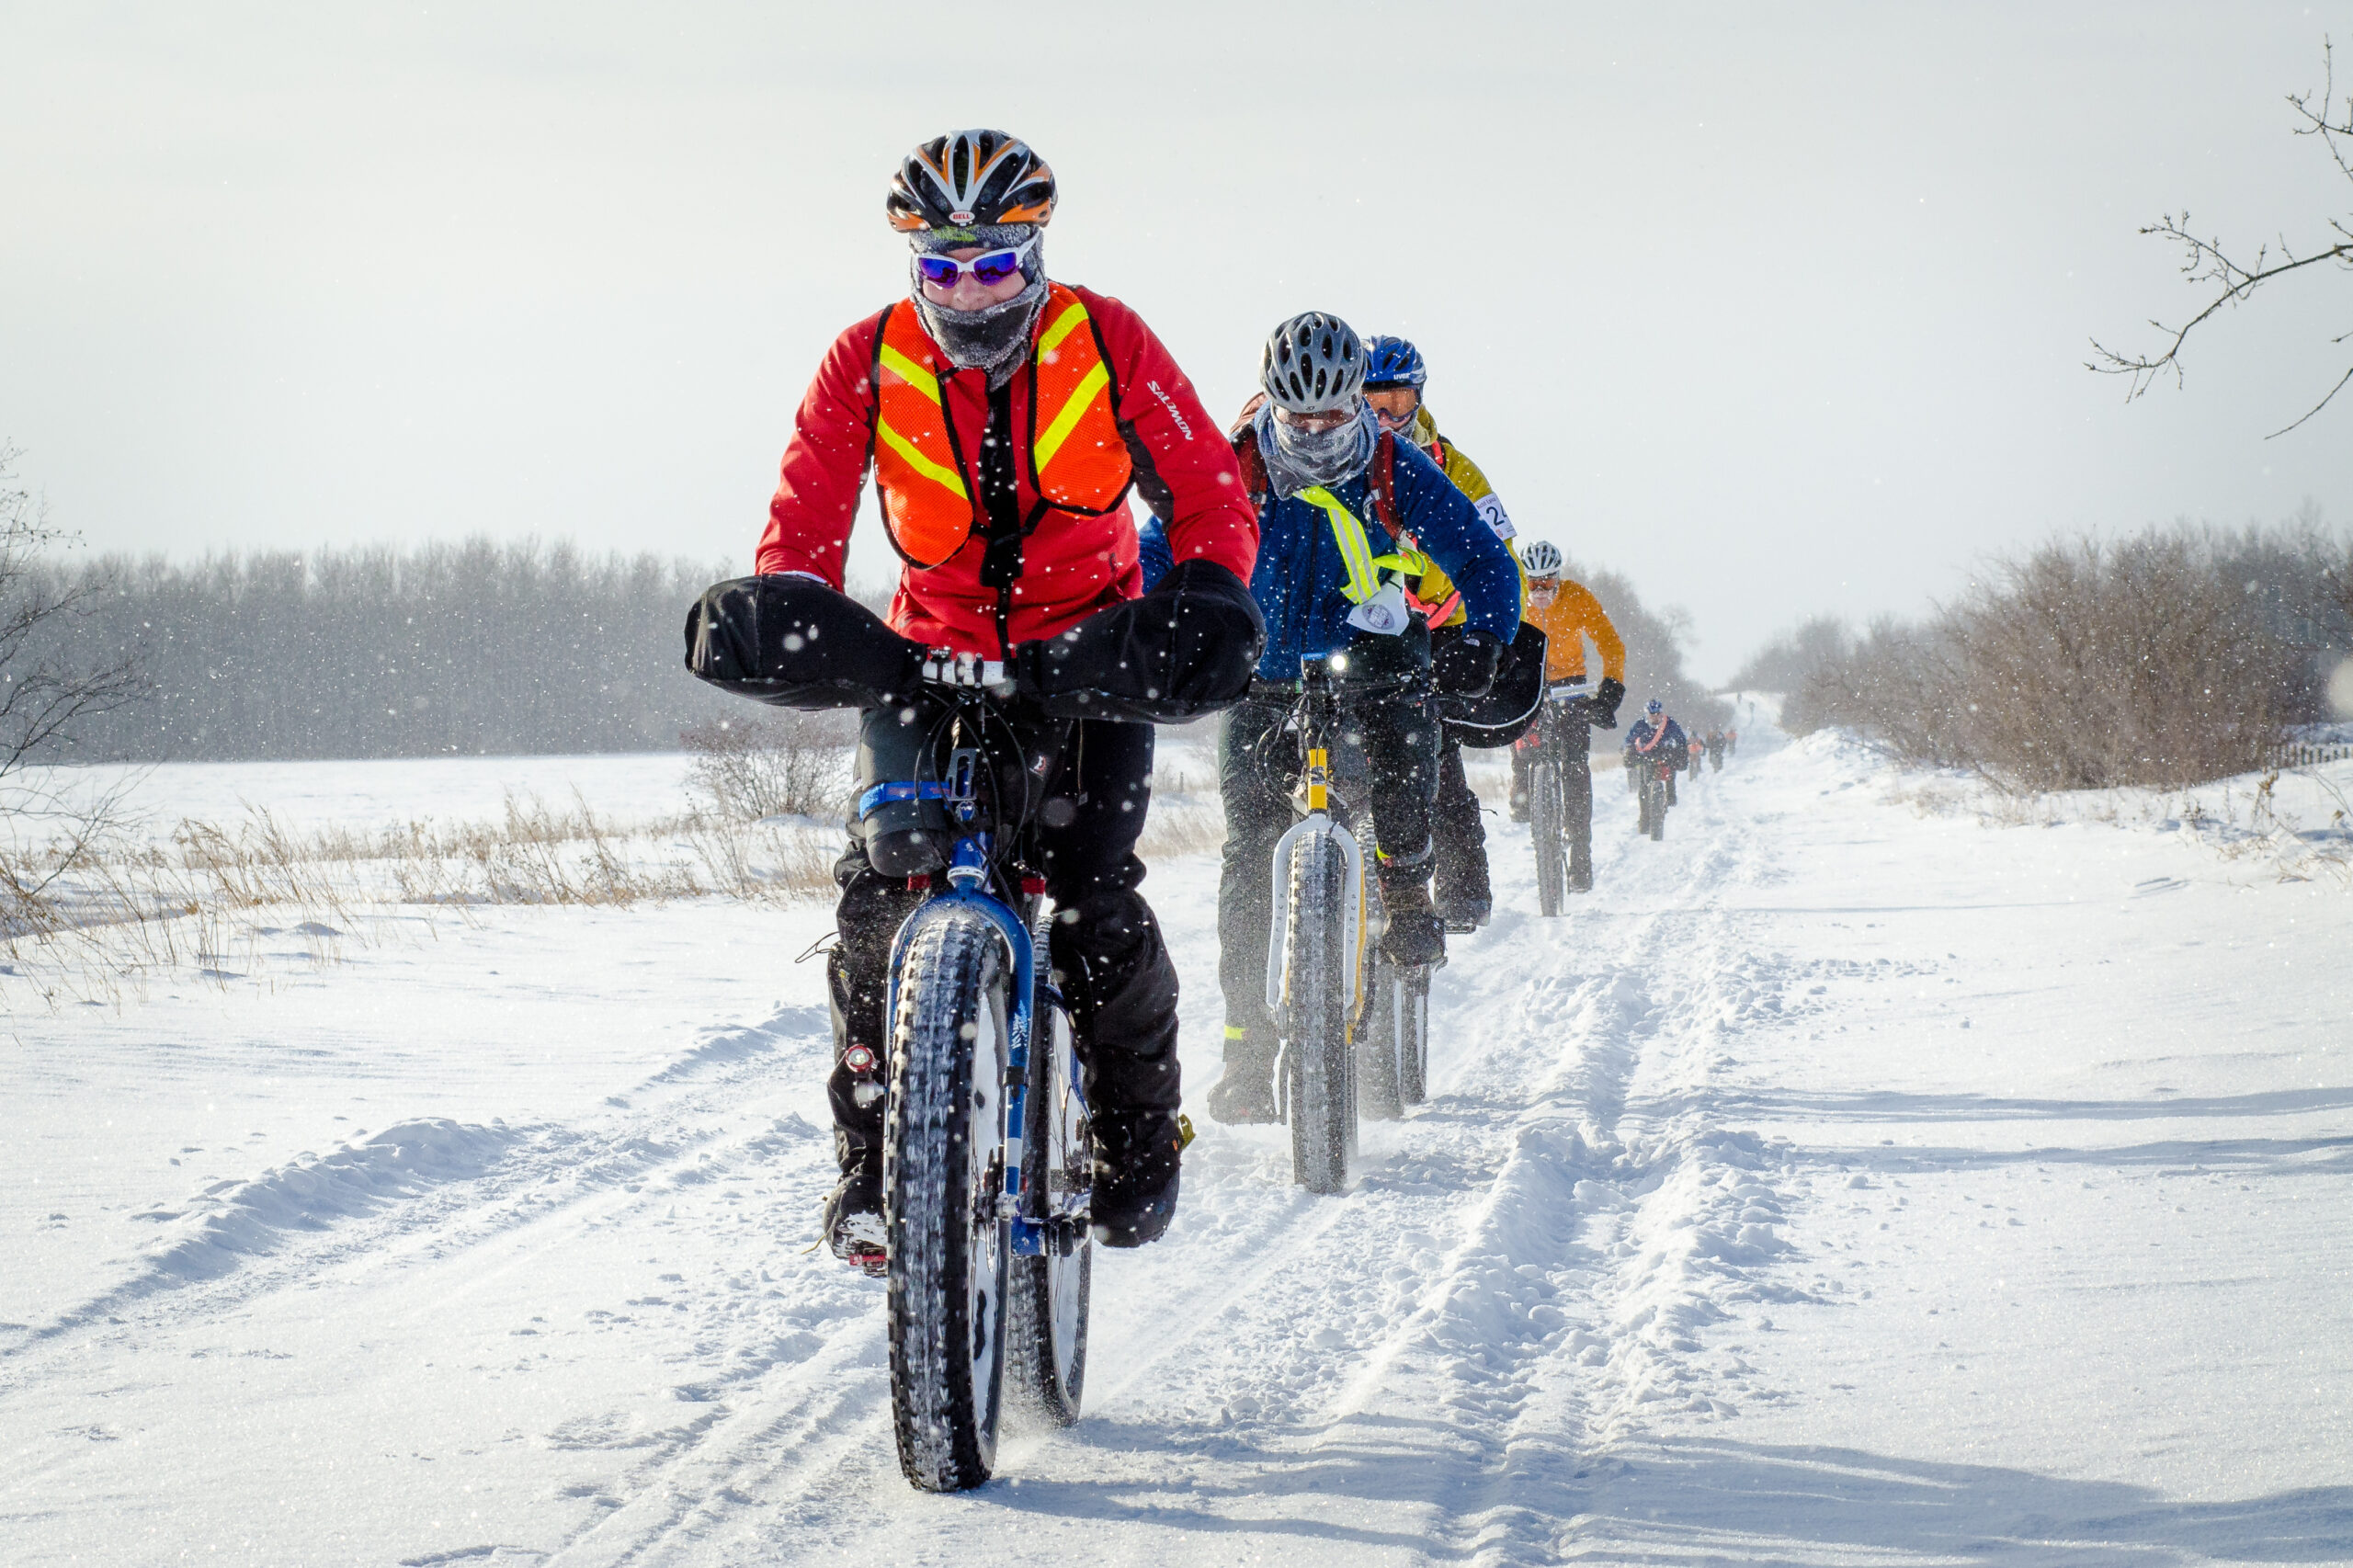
1606	700
1465	665
1185	649
795	642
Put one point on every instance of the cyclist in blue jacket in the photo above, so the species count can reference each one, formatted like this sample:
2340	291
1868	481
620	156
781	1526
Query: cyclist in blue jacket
1334	491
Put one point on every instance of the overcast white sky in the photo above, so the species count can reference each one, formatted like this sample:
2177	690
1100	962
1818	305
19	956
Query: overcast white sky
1778	309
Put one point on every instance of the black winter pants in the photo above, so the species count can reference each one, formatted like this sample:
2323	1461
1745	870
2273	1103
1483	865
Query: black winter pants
1400	739
1108	958
1569	732
1460	837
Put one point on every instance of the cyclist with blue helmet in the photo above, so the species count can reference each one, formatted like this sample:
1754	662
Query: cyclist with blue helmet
1395	374
1655	740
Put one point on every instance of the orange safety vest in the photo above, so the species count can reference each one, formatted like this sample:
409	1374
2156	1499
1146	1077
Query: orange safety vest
1078	462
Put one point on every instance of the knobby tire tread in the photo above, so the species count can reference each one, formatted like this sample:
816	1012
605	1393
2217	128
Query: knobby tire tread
1034	1386
1545	826
946	1442
1314	965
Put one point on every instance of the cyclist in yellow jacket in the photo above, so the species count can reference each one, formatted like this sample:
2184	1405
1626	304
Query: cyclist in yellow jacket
1394	375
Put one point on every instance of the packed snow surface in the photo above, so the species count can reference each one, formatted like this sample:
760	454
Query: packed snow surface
1845	1180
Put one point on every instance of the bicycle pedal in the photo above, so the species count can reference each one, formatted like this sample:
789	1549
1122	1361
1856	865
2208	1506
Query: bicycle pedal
1184	1133
1459	927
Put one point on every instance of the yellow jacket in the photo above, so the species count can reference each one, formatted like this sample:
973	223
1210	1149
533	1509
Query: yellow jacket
1432	588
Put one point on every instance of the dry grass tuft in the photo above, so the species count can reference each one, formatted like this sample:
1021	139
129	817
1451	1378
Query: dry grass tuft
772	762
79	921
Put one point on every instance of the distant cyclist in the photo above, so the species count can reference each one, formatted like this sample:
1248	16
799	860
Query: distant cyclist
1396	375
1570	615
1716	743
1657	741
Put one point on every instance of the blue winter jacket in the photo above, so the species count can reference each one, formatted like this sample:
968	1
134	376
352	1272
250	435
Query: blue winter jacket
1300	573
1675	749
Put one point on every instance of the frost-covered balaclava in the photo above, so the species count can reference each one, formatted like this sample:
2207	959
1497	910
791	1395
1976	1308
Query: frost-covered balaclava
1297	458
993	337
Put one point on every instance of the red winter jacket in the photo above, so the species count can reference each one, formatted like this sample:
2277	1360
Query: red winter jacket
1072	565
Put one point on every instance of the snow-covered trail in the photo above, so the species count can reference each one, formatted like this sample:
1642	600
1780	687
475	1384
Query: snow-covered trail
1835	1184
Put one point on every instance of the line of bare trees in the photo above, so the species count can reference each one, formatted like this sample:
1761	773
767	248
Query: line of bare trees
1655	647
475	647
2166	658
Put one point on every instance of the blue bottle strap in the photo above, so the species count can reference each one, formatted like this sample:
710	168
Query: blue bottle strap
882	794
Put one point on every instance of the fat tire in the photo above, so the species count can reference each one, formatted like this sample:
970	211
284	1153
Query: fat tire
1376	1069
947	1269
1414	1048
1045	1343
1545	826
1317	1055
1381	1099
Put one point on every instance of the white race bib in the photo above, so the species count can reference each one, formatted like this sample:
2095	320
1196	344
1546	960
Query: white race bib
1491	512
1385	612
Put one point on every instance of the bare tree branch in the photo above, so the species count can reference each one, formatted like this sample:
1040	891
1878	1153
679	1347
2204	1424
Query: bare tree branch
2207	261
49	824
2315	408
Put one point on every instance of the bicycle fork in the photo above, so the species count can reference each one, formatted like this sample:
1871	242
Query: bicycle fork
967	874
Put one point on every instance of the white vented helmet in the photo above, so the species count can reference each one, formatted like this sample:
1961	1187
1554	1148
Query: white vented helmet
1313	364
1540	558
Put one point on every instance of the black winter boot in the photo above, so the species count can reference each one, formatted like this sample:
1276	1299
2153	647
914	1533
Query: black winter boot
1414	939
854	1228
1245	1092
1139	1154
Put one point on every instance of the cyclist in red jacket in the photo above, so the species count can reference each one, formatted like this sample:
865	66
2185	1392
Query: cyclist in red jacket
1006	417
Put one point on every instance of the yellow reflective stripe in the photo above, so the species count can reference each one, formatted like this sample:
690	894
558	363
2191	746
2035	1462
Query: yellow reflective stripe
1065	324
1093	382
915	375
1364	578
937	472
1235	1031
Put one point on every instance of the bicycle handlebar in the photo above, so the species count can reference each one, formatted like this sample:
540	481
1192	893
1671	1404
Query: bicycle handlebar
944	666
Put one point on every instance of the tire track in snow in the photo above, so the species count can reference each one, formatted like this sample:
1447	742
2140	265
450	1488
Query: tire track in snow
418	1193
1435	1364
1421	1367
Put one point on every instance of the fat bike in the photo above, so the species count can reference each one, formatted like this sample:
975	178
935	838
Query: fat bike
1352	1028
987	1158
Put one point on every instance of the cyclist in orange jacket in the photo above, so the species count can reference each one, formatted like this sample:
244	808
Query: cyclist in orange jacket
1570	615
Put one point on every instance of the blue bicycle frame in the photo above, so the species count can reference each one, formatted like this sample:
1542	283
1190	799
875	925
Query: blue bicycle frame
968	876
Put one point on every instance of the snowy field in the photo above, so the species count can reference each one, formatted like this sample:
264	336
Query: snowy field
1849	1179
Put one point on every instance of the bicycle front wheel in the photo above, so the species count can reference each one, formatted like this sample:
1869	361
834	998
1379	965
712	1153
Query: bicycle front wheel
1320	1097
943	1167
1544	826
